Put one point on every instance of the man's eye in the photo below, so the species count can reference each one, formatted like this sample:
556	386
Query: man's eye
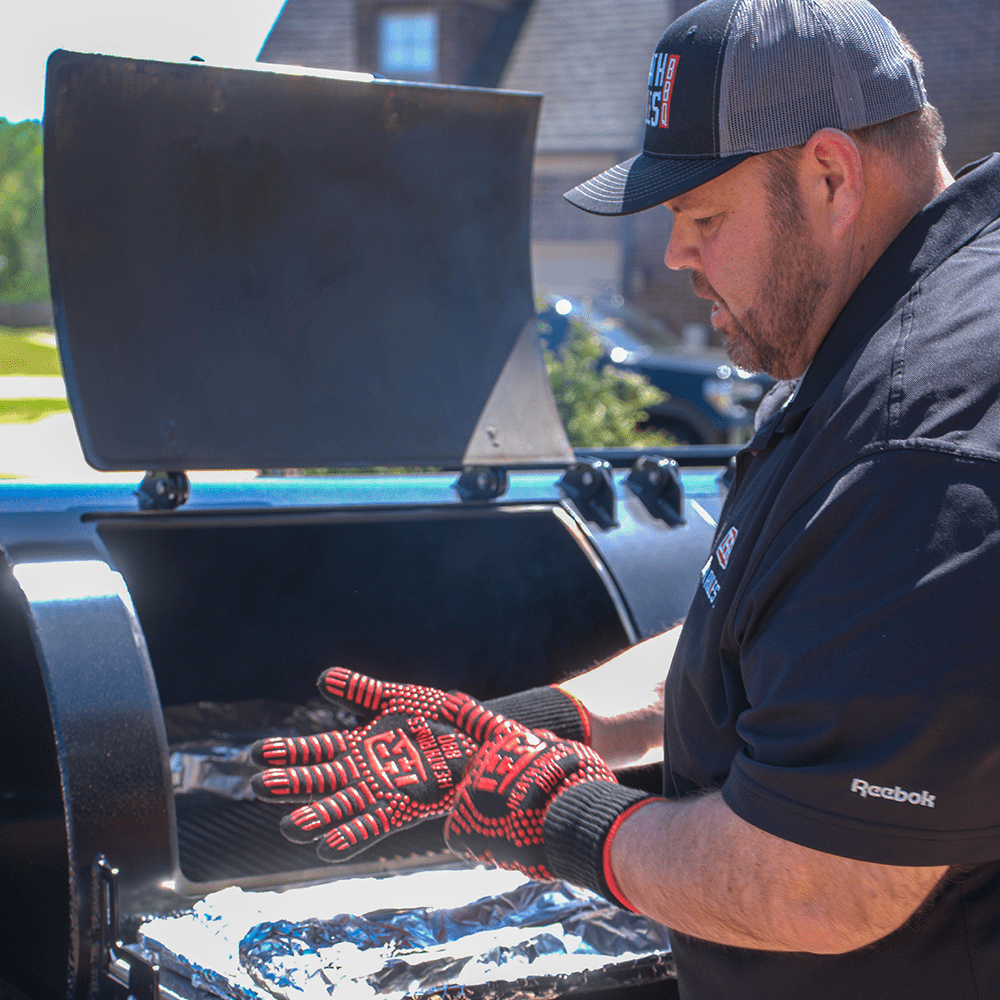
706	222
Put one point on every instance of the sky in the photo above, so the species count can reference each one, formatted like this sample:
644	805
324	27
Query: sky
220	31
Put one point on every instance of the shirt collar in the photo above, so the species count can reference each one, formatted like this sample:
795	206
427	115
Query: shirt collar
945	225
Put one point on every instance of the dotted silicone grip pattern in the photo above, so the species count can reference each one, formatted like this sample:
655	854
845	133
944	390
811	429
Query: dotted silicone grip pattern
499	813
360	785
367	696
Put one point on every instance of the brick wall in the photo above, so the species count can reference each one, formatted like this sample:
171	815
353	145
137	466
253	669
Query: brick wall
959	41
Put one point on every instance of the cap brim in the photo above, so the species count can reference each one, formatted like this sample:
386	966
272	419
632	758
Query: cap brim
645	181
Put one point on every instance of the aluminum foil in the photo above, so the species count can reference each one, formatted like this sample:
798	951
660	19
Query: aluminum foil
538	940
477	934
209	742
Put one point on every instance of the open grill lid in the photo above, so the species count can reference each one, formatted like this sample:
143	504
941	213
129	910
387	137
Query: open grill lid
258	270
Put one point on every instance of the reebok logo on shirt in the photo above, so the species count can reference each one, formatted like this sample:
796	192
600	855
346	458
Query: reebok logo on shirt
892	794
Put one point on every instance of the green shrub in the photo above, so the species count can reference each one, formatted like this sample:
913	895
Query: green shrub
600	407
24	275
28	352
27	411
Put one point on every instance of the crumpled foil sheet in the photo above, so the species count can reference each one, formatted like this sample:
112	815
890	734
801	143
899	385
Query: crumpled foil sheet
476	934
537	940
209	742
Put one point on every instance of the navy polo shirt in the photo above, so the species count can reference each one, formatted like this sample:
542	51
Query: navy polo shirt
838	674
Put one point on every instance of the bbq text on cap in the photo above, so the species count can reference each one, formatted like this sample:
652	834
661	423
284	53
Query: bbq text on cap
731	78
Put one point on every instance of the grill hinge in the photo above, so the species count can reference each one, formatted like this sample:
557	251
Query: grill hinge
123	973
589	484
657	483
481	483
163	490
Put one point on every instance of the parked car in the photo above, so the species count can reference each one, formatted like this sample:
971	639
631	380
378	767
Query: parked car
709	400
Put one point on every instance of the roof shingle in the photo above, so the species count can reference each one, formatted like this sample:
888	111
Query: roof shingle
590	58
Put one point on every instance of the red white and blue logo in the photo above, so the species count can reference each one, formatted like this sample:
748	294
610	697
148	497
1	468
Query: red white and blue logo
662	73
709	581
725	548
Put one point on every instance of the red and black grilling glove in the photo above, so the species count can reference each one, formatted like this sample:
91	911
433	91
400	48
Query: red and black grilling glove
361	785
546	807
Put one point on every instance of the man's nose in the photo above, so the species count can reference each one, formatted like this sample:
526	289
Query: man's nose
681	251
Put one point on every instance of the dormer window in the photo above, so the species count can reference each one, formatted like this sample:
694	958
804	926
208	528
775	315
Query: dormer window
408	44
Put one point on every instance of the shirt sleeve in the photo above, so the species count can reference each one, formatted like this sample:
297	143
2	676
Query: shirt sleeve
868	648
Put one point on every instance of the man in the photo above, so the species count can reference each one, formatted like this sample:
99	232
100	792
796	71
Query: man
830	824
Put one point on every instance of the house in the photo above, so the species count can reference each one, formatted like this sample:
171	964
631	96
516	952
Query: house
589	60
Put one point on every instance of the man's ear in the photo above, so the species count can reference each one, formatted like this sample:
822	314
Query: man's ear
833	179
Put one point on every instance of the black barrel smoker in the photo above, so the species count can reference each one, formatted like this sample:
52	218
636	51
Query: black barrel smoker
268	271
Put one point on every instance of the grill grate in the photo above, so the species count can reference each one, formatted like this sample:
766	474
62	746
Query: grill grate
224	840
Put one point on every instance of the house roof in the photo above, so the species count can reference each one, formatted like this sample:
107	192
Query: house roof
318	33
590	60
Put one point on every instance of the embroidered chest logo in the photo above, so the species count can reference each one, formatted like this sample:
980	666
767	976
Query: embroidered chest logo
662	73
710	582
726	547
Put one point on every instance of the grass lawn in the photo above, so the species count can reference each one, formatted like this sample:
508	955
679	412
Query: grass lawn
28	352
25	411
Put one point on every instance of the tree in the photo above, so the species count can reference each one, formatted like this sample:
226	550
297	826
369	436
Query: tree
600	407
23	264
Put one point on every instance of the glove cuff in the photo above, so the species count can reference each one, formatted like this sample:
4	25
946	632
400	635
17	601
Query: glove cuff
579	826
548	708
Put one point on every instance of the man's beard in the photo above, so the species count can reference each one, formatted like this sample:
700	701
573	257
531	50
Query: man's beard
768	335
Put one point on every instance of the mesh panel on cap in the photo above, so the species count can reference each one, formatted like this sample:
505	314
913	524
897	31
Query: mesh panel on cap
794	66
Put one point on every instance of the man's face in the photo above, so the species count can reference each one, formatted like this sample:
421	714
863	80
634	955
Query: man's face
750	251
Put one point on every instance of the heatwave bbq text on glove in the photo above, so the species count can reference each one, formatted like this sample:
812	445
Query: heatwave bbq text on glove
546	807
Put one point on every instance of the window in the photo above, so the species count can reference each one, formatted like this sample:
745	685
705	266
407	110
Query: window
408	44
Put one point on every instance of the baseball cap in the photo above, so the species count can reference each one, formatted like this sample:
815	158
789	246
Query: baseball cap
732	78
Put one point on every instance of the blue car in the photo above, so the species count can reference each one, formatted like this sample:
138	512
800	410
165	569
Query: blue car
709	400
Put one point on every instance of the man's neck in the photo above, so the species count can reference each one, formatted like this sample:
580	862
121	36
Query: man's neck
892	198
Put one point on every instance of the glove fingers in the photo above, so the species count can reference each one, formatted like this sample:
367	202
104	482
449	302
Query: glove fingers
297	751
316	819
352	690
349	839
472	717
367	695
303	784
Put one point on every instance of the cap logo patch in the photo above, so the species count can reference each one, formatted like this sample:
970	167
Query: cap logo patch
662	73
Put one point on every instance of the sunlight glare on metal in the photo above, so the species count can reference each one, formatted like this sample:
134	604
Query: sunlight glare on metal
68	581
564	307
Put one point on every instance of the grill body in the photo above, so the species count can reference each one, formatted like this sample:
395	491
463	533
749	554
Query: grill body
257	270
110	617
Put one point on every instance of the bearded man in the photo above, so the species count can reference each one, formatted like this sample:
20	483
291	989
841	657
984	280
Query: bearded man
830	818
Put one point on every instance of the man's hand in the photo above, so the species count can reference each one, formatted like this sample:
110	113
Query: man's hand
363	784
500	808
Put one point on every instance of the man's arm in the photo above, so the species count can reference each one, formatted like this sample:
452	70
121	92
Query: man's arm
700	869
624	699
695	866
